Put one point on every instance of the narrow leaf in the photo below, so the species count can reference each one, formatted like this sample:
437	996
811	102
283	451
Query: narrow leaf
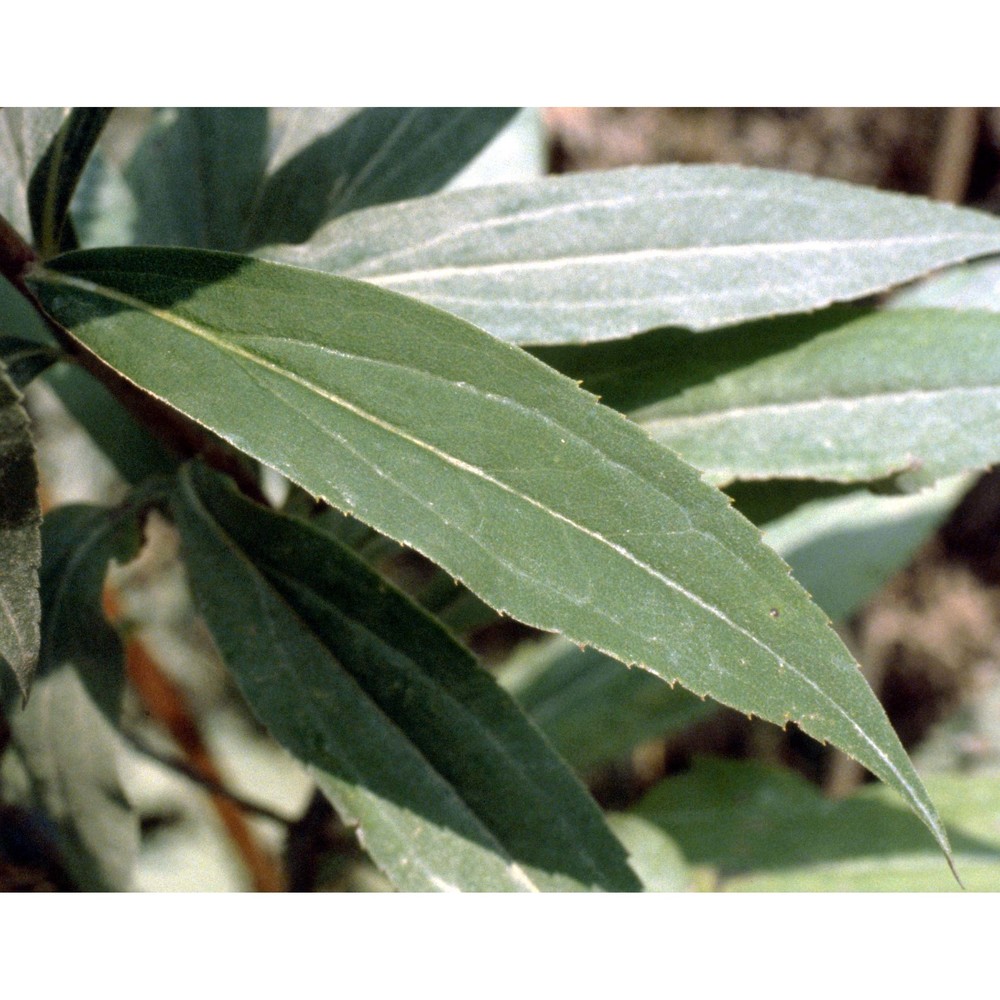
591	708
590	257
24	360
196	174
55	178
411	738
766	829
841	397
378	155
69	752
20	542
554	509
78	543
25	135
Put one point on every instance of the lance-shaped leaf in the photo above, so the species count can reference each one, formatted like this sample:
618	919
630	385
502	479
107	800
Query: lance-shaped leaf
69	752
410	737
20	542
840	396
377	155
25	134
205	177
54	179
591	707
766	829
78	543
595	256
549	506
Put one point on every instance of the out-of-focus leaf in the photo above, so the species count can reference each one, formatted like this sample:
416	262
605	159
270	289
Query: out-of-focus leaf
133	450
69	753
25	134
766	829
550	507
839	396
451	785
195	176
103	208
843	549
19	319
24	360
78	542
589	257
377	155
591	707
56	175
20	544
656	859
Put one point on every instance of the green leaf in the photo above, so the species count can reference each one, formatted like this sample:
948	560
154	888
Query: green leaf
843	549
19	319
195	176
55	178
24	360
132	449
203	178
20	542
589	257
25	134
378	155
767	829
839	397
78	543
69	752
554	509
410	738
655	857
591	708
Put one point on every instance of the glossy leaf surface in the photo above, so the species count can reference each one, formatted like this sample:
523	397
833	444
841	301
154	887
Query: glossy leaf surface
550	507
20	543
589	257
451	785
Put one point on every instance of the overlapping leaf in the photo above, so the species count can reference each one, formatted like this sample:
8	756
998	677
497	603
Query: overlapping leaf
761	828
590	257
20	541
839	396
450	783
230	178
549	506
25	135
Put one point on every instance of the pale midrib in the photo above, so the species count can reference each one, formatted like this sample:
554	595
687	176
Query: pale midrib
754	252
797	407
226	347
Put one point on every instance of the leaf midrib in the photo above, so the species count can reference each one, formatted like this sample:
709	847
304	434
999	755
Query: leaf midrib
227	347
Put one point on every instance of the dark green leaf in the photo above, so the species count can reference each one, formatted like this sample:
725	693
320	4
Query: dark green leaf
78	542
25	134
25	359
132	449
550	507
69	751
768	829
378	155
592	708
196	174
339	664
56	175
596	256
20	544
19	319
